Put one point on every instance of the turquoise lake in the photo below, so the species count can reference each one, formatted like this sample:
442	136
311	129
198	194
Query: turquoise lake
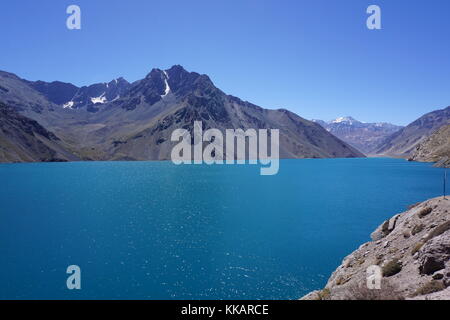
153	230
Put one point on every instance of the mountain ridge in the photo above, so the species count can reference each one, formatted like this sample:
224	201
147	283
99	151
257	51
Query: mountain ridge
361	135
137	124
25	140
403	142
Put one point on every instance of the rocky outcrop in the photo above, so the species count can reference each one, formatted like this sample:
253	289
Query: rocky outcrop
435	254
435	149
412	252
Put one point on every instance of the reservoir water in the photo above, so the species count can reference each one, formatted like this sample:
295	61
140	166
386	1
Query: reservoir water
153	230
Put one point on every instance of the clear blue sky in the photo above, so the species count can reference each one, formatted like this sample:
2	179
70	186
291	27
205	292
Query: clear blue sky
315	57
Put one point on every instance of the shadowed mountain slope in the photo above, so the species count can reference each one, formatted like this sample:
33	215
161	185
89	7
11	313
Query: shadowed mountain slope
404	141
24	140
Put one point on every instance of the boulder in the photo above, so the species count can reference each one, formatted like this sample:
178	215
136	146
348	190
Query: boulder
435	254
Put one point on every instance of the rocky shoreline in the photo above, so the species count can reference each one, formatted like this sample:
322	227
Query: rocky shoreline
412	250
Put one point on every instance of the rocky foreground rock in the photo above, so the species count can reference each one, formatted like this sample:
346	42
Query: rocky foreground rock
412	251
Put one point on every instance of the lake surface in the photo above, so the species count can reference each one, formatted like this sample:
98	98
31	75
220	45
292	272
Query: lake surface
153	230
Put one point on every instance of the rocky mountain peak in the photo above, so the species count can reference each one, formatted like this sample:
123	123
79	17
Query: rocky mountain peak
177	70
155	74
118	82
183	82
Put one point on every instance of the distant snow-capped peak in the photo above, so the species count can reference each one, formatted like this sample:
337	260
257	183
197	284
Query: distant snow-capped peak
346	120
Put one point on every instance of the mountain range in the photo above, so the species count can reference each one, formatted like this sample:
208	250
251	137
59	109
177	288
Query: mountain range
119	120
88	97
404	142
365	137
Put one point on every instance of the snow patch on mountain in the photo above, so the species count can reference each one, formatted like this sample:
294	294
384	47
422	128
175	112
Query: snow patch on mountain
68	105
101	99
167	90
